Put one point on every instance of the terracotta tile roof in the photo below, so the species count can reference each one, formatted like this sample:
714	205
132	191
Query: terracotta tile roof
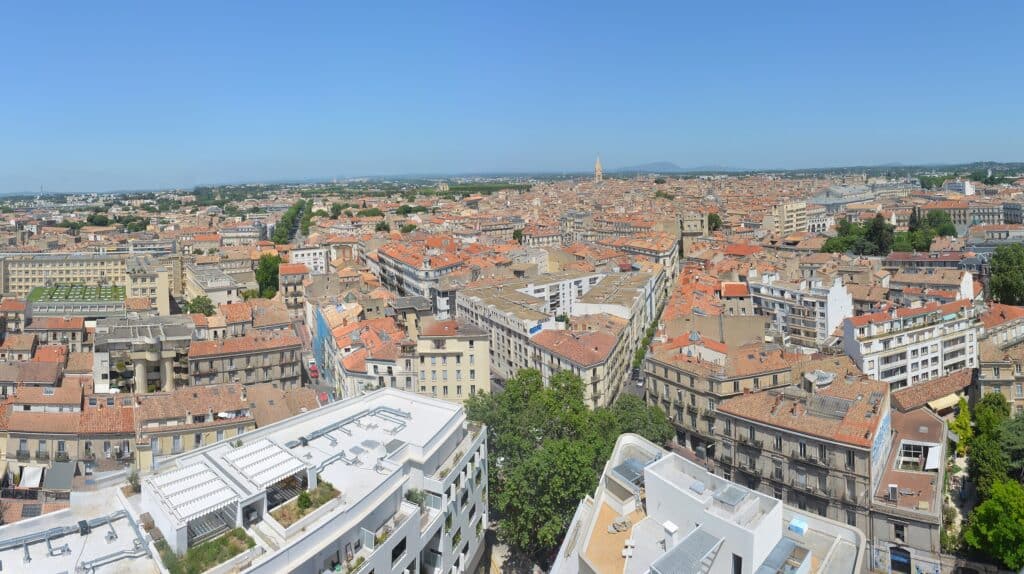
19	342
236	312
794	409
271	404
137	304
293	269
79	363
12	305
583	348
48	423
998	313
51	354
30	372
241	345
915	396
198	400
734	289
56	324
103	419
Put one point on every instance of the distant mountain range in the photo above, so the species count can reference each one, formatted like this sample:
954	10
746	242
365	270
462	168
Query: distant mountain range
669	167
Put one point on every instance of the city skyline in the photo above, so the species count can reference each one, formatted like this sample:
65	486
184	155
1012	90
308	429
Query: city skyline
156	98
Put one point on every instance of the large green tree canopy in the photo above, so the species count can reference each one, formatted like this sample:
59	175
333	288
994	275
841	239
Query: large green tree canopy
1007	281
997	525
548	449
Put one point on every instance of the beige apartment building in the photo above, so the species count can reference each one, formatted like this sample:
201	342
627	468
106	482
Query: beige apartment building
453	359
788	218
252	359
141	275
599	358
811	449
689	376
189	418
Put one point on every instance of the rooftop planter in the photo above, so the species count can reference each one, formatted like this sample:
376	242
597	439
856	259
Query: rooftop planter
307	501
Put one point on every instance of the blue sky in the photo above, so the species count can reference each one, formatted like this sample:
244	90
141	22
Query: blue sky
105	95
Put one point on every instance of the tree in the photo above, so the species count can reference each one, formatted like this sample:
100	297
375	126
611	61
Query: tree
197	251
382	226
549	449
880	234
1007	280
961	425
200	304
987	464
990	412
517	236
714	222
99	219
540	493
915	220
407	228
266	273
1011	441
939	221
635	416
996	527
250	294
335	210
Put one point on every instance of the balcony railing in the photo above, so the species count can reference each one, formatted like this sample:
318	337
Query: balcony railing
42	455
61	457
23	455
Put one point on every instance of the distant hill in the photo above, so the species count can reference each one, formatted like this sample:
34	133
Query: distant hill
669	167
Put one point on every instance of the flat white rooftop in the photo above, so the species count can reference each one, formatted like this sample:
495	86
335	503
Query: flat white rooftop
354	444
112	543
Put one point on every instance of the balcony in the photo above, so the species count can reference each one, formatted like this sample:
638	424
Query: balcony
692	409
808	459
750	469
42	455
61	457
23	455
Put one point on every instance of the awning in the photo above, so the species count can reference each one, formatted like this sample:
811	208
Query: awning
932	462
31	476
947	402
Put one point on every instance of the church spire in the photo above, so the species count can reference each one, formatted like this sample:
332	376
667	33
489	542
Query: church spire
598	172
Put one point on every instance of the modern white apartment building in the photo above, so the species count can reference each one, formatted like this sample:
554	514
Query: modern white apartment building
804	313
656	512
400	484
904	346
315	258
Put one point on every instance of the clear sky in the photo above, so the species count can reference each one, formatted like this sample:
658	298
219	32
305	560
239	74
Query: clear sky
105	95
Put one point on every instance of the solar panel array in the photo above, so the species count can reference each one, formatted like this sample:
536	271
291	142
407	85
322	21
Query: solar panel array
263	462
828	407
192	491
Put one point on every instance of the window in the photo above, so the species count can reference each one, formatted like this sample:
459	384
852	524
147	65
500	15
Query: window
199	439
728	427
851	518
398	551
899	532
822	454
61	446
472	373
220	435
778	442
751	433
849	459
803	448
737	564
